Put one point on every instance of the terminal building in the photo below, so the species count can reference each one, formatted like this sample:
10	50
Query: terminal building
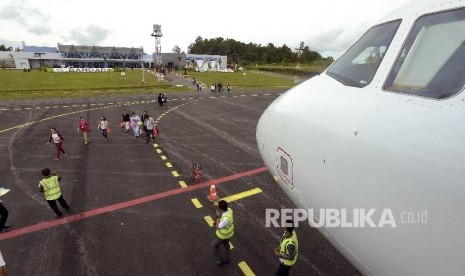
86	56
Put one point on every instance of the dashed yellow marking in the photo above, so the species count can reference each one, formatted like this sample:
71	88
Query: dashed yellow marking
242	195
168	164
245	269
196	203
175	173
209	221
231	246
182	184
155	145
163	157
159	151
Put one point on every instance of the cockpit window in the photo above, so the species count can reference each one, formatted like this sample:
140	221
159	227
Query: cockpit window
432	62
358	65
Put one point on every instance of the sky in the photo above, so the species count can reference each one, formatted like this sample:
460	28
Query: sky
328	27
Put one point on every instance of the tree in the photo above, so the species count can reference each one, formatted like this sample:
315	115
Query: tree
176	49
2	47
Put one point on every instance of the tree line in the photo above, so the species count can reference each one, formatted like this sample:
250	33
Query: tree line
251	53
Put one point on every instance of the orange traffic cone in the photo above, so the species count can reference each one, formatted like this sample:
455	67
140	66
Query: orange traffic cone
213	196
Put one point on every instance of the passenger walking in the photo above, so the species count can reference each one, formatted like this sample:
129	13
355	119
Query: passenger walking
103	126
165	99
135	123
142	119
228	88
83	127
288	250
50	187
224	231
126	120
3	218
160	100
212	88
149	125
57	139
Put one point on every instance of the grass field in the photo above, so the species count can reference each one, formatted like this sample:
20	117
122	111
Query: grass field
239	80
16	84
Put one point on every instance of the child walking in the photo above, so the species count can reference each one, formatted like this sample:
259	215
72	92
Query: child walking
57	139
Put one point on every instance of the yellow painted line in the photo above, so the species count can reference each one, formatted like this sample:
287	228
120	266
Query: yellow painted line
182	184
159	151
196	203
175	173
209	220
242	195
168	164
155	145
245	269
163	157
230	245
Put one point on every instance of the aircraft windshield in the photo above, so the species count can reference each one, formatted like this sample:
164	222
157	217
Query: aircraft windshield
358	65
432	62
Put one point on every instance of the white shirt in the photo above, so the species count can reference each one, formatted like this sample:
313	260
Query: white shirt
103	124
223	222
56	138
2	261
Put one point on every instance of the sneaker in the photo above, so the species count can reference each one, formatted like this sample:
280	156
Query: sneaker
7	226
65	155
56	159
5	230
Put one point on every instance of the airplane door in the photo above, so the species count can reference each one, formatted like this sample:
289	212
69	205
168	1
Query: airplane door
285	167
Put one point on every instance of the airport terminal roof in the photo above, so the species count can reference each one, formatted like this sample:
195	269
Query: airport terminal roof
99	49
39	49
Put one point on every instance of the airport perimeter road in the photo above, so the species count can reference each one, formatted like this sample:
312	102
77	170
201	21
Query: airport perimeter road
135	209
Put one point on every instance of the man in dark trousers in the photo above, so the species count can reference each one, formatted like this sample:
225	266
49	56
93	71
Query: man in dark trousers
50	186
224	231
4	217
288	250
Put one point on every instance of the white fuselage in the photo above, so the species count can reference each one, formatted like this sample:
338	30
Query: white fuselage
365	148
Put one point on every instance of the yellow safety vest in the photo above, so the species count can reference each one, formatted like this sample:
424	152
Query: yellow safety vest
228	232
51	187
284	243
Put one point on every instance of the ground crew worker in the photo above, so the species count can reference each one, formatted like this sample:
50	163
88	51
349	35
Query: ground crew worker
288	250
50	186
224	231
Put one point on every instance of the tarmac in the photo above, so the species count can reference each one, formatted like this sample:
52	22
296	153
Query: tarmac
135	208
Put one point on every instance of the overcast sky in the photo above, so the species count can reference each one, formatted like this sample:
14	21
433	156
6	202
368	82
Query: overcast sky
328	26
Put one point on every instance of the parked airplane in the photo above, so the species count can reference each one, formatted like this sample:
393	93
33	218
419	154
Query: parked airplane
383	128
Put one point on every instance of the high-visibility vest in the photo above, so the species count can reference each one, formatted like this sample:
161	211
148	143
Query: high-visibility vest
51	187
285	241
228	232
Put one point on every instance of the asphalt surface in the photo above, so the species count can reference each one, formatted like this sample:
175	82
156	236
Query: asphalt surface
115	227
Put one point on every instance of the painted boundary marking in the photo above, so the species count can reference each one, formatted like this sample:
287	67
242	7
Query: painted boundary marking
123	205
245	269
242	195
196	203
182	184
209	220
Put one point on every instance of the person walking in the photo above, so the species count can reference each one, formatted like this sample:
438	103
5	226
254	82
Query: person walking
126	120
103	126
135	122
57	139
83	127
228	88
164	98
50	187
160	100
3	217
288	250
142	119
224	231
149	125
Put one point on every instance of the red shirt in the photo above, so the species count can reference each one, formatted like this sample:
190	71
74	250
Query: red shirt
83	126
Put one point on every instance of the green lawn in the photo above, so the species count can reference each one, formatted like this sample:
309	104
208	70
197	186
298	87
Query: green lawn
241	80
16	84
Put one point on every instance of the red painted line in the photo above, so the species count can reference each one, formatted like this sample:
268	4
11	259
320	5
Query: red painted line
122	205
